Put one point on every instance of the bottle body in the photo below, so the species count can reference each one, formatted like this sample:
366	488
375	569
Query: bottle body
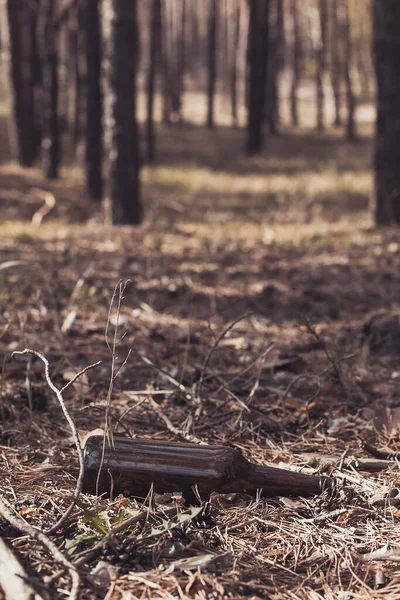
131	467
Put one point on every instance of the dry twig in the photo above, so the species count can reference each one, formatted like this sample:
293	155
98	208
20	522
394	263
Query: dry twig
36	534
215	346
112	346
170	426
71	423
13	578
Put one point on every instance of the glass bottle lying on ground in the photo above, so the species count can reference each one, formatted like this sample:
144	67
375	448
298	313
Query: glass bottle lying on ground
131	466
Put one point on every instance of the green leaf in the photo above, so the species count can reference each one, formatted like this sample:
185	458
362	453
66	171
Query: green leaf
181	519
97	520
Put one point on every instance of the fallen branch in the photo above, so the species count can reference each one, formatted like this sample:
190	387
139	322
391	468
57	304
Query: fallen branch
38	535
49	203
381	554
360	464
13	578
333	514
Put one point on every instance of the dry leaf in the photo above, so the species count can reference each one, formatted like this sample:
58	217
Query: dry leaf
387	420
229	500
203	562
103	574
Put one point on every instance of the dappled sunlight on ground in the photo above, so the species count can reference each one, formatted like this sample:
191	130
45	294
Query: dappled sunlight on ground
269	267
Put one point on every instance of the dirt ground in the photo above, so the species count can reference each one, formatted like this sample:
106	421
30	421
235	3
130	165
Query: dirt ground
283	244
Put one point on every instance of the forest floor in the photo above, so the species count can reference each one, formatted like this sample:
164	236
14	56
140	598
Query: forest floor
284	245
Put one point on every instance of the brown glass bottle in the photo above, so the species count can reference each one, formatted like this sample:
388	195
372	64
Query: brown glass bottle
132	466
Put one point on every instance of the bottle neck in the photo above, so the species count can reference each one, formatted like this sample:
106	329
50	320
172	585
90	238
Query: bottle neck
281	482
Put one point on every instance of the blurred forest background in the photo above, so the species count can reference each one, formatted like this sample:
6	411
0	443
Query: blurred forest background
237	162
97	91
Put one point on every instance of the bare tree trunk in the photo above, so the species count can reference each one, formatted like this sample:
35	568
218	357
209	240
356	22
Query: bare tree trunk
19	40
212	61
63	109
94	108
274	65
280	54
320	59
50	139
36	74
351	101
181	61
224	48
258	58
296	58
173	31
364	72
362	51
120	126
362	58
234	36
194	53
154	59
165	63
336	67
386	16
79	75
32	68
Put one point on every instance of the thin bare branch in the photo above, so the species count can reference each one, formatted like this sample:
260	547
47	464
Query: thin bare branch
38	535
170	426
215	346
66	386
180	386
13	577
58	393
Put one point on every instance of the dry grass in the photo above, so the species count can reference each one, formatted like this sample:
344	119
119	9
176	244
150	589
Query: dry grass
285	235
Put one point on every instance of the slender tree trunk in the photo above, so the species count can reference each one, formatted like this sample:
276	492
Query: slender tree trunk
386	17
224	47
32	76
362	52
180	62
258	58
350	97
364	72
189	42
37	80
173	59
79	75
296	58
233	69
165	63
280	54
194	55
19	25
274	65
94	109
121	131
336	67
362	58
320	59
71	26
50	139
63	44
212	61
154	59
